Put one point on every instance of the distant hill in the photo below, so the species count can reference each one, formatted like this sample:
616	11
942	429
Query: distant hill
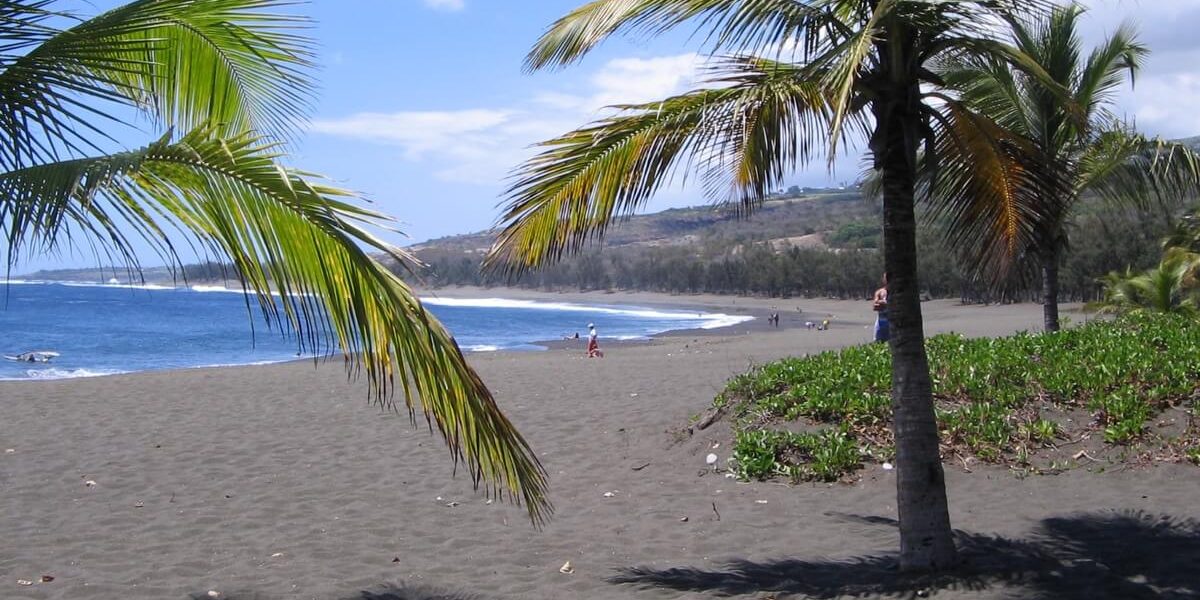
193	274
802	218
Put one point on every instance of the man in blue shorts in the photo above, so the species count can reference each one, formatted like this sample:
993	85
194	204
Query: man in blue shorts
880	305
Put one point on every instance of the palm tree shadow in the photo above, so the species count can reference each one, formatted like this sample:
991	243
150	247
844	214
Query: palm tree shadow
406	592
1102	555
385	592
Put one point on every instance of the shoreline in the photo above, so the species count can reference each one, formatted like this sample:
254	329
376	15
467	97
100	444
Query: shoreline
794	312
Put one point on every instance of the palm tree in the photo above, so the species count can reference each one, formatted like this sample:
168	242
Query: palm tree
1169	287
826	71
1172	286
1095	153
225	82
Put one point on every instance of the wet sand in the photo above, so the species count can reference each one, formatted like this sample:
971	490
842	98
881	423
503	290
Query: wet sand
282	481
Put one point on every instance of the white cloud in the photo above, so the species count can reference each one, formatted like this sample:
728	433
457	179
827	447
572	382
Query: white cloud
481	145
445	4
1167	87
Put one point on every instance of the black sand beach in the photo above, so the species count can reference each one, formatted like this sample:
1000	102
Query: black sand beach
282	481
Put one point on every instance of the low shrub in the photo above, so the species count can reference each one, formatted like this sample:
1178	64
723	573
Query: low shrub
989	392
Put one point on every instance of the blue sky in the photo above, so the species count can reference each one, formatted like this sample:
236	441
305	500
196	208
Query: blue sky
424	106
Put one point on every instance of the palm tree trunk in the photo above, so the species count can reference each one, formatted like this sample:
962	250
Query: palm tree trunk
926	542
1050	289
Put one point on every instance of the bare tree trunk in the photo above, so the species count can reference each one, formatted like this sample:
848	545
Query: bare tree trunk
1050	289
926	541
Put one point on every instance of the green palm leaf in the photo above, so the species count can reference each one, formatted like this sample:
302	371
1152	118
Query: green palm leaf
732	25
742	138
182	62
296	244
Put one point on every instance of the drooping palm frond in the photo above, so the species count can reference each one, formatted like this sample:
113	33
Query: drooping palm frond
742	138
982	187
181	62
296	244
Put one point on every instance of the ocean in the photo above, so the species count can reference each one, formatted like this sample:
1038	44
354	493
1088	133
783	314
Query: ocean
109	329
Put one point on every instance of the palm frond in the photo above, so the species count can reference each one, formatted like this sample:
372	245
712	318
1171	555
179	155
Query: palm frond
983	50
1164	288
732	26
1128	169
743	138
1120	55
24	25
983	186
992	88
182	62
297	246
850	60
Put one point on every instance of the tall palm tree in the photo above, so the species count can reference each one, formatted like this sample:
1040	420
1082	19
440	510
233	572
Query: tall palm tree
1095	153
826	71
225	82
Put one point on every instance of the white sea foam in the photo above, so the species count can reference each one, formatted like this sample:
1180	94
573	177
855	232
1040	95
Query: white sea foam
248	364
719	320
214	289
481	348
48	374
154	287
91	284
710	320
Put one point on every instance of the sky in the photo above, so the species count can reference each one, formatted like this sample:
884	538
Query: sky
425	109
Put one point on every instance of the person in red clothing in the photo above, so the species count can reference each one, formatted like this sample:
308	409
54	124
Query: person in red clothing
593	347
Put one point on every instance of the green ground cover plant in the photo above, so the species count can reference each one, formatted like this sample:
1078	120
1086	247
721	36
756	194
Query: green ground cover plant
999	400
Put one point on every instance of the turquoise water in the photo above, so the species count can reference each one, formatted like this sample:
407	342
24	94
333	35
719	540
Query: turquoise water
109	329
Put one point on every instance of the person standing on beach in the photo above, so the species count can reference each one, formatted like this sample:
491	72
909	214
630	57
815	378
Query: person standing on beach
879	304
593	347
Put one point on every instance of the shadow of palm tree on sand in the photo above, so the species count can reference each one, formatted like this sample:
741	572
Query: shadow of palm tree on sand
1128	555
385	592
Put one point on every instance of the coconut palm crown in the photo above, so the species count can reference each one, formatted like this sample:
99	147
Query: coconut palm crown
224	83
790	81
1095	153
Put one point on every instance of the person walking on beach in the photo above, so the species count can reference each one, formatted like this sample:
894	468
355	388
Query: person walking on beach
593	347
879	305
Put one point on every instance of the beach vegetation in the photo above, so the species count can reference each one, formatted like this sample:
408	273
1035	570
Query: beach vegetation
823	456
222	86
794	81
1004	400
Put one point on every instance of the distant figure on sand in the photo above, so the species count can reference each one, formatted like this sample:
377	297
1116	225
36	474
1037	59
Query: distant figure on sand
593	348
880	304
